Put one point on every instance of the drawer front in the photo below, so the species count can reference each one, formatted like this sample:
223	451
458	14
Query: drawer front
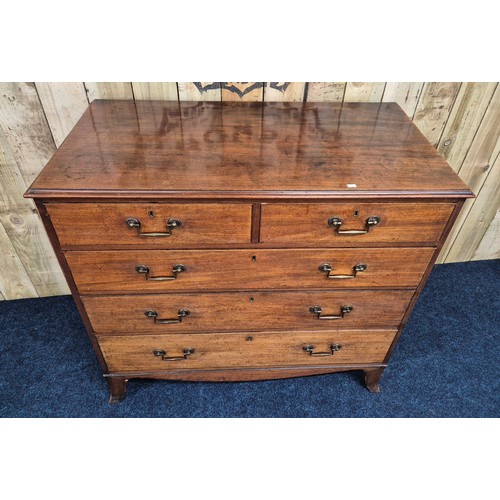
240	311
128	353
351	224
162	225
141	271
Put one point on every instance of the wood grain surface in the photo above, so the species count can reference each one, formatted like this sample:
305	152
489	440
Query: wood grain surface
464	120
79	224
109	90
481	171
27	108
252	311
216	186
489	248
325	91
25	127
364	91
135	352
63	104
251	269
31	268
405	94
302	224
434	107
164	91
251	147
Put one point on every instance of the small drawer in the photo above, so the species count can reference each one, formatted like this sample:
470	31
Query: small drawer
162	225
152	353
241	311
141	271
353	224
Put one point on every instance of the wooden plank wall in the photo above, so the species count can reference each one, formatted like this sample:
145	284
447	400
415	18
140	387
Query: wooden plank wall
462	120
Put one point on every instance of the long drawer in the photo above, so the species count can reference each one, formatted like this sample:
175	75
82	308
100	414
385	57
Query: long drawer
140	271
348	224
129	353
161	225
237	311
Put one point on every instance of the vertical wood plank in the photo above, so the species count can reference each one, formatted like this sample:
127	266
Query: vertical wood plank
26	145
109	90
63	105
325	91
364	91
14	280
433	109
189	91
489	247
12	184
26	242
406	94
239	91
292	92
485	147
484	150
464	120
162	91
28	236
479	217
25	127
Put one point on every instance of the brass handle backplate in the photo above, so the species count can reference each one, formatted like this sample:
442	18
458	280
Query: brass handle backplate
136	223
181	313
177	268
336	222
163	354
333	349
343	311
327	268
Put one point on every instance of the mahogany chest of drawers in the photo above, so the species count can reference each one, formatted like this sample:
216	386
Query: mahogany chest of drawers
245	241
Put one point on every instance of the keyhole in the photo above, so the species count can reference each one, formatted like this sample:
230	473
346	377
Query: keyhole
356	213
254	258
151	213
251	299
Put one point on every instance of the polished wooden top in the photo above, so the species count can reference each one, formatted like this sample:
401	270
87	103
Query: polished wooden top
245	150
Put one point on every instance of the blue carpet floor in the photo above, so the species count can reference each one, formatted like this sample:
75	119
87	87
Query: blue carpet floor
445	365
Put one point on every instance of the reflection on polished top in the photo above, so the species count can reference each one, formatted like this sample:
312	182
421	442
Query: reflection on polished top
198	149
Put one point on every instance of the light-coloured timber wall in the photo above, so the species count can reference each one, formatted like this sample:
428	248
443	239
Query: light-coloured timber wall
462	120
